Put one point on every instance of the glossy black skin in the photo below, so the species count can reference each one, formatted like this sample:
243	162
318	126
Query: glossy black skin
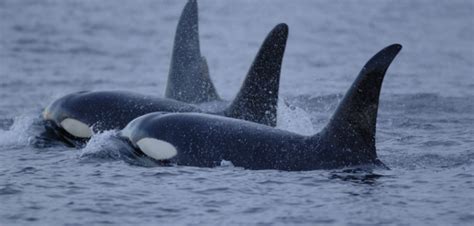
348	140
188	83
107	110
205	140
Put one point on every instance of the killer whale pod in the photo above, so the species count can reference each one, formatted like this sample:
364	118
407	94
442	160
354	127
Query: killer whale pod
203	140
77	116
189	80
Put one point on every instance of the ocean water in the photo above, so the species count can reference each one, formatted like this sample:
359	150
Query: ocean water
425	130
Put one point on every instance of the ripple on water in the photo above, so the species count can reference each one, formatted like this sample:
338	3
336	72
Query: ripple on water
210	191
426	138
9	190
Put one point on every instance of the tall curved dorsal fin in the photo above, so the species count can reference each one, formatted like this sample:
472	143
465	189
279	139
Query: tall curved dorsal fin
352	127
258	97
188	78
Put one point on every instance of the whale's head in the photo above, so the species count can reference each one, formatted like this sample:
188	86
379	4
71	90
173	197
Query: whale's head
77	116
138	133
70	117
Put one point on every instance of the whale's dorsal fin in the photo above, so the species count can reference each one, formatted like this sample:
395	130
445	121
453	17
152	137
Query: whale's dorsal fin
258	97
188	78
352	127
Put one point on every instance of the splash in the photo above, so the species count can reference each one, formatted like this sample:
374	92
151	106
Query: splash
294	119
20	133
102	146
225	163
108	146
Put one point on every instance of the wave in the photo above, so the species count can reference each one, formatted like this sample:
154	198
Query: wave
20	133
108	146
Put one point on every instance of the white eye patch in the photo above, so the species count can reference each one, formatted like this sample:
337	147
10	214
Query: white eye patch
157	149
76	128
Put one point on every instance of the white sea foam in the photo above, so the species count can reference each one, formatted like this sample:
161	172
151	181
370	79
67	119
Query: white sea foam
102	145
225	163
19	134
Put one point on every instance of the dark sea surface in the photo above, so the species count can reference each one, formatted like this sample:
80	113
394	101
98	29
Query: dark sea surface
425	130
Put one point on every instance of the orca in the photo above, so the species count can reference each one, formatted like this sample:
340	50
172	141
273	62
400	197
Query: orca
77	116
203	140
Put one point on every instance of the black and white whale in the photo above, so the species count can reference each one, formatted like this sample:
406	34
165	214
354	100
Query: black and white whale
77	116
203	140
